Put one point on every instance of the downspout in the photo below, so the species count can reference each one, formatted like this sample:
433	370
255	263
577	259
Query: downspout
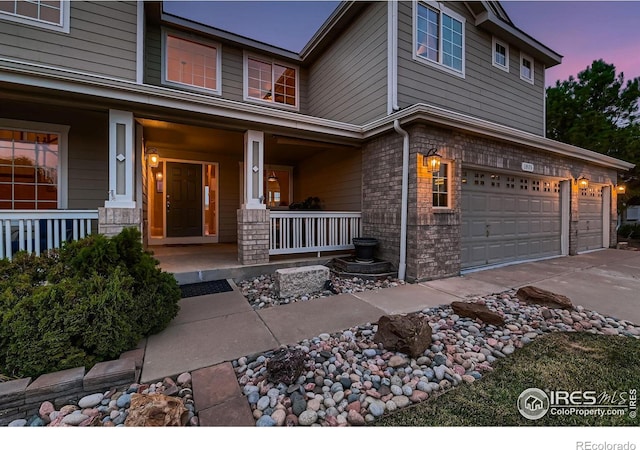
402	266
393	107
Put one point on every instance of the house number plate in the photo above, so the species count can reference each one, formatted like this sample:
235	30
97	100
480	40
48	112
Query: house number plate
527	167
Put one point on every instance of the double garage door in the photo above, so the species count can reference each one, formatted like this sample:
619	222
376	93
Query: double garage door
508	218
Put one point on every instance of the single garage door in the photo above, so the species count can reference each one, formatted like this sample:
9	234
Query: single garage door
590	219
508	218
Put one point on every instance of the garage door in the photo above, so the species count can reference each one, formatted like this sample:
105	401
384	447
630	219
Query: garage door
508	218
590	219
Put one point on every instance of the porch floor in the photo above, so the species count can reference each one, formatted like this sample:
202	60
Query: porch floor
194	263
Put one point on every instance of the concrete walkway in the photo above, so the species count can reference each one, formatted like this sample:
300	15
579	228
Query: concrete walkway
212	330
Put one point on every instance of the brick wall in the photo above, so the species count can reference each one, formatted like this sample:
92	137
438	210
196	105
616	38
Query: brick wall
112	221
433	235
253	236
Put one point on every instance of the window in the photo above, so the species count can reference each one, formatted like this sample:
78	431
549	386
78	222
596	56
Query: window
53	15
270	81
441	187
29	162
192	63
500	55
526	68
439	37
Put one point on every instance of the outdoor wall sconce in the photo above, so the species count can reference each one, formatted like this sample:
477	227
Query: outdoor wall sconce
159	178
431	160
152	157
583	182
621	188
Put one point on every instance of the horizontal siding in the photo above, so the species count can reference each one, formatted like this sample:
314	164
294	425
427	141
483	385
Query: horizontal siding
344	170
348	82
101	40
486	92
232	73
153	54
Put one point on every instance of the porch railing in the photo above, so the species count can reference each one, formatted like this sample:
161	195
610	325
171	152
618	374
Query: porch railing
312	231
40	231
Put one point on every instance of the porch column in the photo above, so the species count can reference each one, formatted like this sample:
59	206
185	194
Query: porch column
120	209
253	217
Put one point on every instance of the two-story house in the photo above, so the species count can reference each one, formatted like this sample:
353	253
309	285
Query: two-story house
418	123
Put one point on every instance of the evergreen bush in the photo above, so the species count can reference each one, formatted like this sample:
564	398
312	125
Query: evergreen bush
88	302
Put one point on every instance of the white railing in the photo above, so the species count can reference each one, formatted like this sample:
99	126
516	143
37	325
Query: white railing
39	231
312	231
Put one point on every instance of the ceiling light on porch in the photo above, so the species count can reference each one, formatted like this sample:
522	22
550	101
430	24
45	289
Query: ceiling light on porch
621	189
152	157
272	177
431	160
583	182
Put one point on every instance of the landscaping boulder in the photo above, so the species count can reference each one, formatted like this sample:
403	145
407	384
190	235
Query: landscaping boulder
406	333
531	294
477	311
286	366
301	280
156	410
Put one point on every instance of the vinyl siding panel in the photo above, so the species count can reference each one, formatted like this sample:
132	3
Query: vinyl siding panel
348	82
343	168
101	40
485	92
232	73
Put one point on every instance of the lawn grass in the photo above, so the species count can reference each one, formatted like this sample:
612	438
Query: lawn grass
557	361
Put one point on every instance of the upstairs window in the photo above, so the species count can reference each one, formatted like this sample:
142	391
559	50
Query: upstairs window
441	187
439	37
49	14
500	55
526	68
271	82
192	63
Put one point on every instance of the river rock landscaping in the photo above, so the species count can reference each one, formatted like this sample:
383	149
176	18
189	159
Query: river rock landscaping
261	292
346	378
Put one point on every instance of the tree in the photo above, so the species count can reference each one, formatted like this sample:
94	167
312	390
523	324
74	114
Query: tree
599	111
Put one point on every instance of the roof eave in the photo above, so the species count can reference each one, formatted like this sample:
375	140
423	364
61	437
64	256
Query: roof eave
493	24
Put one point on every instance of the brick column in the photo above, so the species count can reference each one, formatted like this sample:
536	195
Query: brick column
253	236
112	221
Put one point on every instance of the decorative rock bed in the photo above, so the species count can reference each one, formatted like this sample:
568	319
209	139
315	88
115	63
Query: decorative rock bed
348	379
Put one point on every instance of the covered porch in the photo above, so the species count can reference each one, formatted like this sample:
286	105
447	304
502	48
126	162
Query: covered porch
211	176
193	263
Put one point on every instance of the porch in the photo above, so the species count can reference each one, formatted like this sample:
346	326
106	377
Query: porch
194	263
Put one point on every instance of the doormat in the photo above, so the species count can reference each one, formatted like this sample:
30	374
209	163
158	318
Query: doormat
205	288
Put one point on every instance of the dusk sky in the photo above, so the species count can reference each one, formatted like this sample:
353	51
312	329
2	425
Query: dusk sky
581	31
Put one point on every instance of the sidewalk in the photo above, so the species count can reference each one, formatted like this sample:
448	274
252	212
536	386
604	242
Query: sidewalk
212	330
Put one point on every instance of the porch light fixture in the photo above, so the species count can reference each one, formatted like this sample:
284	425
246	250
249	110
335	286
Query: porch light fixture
272	177
431	160
583	182
621	188
152	157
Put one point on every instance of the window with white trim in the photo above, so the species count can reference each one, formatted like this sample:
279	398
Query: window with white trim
500	55
439	36
49	14
29	165
271	81
526	68
190	62
441	187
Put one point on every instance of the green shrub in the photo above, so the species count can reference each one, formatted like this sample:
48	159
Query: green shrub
89	302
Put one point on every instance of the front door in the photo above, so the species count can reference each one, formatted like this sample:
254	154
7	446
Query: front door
184	199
